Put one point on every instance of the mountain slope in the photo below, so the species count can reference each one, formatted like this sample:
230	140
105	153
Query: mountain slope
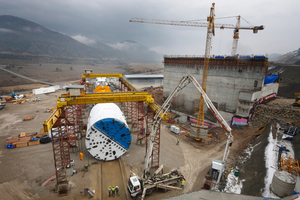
21	36
289	58
273	56
133	51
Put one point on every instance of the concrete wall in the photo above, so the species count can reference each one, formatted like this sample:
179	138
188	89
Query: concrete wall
246	99
146	81
265	91
224	82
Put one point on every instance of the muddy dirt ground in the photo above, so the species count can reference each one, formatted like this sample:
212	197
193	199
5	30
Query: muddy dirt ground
62	73
24	170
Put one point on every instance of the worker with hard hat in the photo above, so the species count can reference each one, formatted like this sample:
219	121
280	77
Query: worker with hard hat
109	191
117	190
182	183
113	190
81	156
86	166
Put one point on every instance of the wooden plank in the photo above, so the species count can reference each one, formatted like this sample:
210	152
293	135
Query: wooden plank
22	144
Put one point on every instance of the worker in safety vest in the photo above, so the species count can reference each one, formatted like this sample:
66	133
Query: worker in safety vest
109	190
177	142
86	166
182	183
117	190
81	156
113	190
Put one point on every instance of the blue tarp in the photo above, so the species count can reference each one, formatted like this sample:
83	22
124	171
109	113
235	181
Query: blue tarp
10	146
271	78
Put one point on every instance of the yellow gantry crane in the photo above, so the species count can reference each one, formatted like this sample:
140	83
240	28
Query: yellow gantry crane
210	32
130	96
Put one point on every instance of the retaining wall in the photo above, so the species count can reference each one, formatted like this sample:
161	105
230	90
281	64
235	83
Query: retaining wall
226	78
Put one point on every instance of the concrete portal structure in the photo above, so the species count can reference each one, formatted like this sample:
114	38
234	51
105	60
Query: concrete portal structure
227	77
141	79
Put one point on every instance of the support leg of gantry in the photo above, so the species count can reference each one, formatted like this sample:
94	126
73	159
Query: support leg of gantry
60	144
141	132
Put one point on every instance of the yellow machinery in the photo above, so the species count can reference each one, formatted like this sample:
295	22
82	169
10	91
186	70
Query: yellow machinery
289	165
100	89
297	100
104	97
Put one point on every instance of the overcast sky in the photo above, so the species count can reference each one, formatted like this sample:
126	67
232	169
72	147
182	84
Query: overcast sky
108	21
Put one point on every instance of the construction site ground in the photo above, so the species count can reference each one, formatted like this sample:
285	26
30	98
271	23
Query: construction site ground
26	170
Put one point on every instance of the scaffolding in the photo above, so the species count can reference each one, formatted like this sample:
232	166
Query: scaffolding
65	122
60	144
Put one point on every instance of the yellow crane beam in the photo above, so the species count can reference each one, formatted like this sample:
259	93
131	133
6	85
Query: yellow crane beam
128	84
92	75
65	100
155	107
48	124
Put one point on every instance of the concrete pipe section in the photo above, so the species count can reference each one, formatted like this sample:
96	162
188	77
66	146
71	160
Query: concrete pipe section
108	136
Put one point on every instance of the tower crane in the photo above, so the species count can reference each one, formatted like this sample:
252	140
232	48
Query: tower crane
236	28
210	32
236	33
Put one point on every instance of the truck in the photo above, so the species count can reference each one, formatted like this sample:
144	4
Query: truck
164	182
137	186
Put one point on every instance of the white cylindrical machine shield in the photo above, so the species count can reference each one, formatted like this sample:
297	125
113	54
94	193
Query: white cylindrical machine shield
108	136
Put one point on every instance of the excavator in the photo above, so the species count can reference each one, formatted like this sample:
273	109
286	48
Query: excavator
137	186
297	100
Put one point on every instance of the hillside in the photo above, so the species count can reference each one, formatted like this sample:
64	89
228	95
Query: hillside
22	37
289	58
290	82
132	50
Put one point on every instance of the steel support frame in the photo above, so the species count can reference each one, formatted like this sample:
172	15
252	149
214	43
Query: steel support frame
141	132
134	113
71	115
61	152
79	118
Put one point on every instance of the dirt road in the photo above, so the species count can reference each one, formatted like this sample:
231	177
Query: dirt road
112	176
24	170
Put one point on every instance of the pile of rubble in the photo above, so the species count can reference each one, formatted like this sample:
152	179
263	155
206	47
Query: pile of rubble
19	99
265	114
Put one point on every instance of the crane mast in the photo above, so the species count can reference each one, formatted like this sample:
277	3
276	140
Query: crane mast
236	36
210	33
